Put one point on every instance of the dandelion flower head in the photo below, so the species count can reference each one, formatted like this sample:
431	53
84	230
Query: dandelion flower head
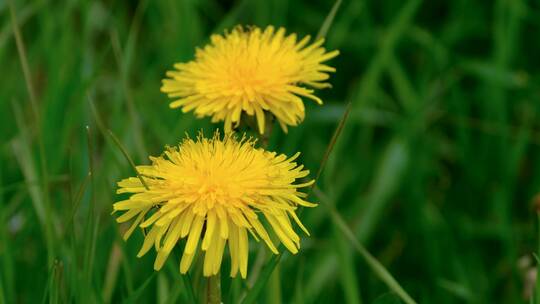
214	191
251	71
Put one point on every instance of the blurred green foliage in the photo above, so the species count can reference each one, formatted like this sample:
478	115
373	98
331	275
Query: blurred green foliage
434	170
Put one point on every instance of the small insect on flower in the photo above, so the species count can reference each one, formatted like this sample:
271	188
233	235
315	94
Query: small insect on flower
251	71
216	190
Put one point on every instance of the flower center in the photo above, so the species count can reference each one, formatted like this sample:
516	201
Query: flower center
247	79
212	192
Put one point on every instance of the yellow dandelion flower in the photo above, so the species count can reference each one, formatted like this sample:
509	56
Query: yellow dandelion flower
251	71
216	190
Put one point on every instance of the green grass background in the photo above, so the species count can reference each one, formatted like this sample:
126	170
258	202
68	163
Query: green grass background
435	170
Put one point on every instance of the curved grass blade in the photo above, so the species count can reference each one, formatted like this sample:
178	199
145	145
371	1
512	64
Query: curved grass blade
332	143
126	155
378	269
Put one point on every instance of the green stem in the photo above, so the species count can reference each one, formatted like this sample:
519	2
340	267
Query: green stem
213	289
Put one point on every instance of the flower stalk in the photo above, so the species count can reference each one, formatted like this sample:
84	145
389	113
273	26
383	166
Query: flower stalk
213	289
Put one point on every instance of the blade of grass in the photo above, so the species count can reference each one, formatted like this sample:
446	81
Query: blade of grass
316	282
185	281
266	272
163	293
391	168
55	289
378	64
344	117
56	283
508	19
332	143
234	290
97	117
329	263
328	20
77	201
92	222
128	158
174	295
130	103
126	269
90	256
378	269
298	284
49	283
369	81
260	259
394	160
401	83
23	155
111	275
134	28
274	287
22	152
21	50
124	60
23	16
347	272
135	296
367	87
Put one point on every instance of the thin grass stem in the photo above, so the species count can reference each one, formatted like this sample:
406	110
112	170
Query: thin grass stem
128	158
378	269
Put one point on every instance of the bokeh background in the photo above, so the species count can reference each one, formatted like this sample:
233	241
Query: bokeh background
435	170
